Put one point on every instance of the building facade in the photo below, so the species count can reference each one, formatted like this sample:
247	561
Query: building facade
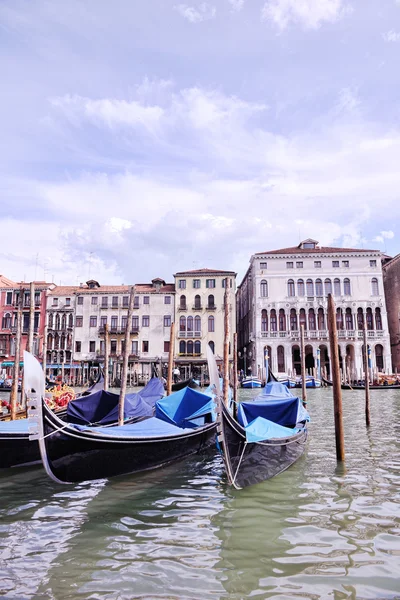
391	283
13	295
286	288
200	315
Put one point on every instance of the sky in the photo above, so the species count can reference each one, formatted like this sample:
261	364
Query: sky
140	139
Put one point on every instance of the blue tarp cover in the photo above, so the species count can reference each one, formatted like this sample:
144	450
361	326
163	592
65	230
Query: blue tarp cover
102	407
261	429
17	426
282	412
184	407
275	389
152	427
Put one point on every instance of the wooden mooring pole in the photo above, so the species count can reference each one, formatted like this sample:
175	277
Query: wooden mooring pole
337	389
235	374
125	363
45	332
366	378
303	365
170	359
226	343
14	387
106	358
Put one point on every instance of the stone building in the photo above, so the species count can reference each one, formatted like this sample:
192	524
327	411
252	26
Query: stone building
13	294
391	283
285	288
199	316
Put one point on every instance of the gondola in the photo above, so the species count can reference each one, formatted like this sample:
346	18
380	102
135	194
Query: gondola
98	407
267	437
381	387
251	381
184	424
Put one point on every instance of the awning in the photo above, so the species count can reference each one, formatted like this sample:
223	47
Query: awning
10	363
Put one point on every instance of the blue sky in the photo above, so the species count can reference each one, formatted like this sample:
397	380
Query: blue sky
144	138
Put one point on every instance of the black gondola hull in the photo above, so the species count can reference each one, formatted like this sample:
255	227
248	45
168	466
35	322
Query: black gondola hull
73	456
248	463
16	451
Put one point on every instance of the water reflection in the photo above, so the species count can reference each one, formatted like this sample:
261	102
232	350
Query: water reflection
317	531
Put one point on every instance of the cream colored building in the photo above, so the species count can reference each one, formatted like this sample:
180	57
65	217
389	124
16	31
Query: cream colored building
285	288
200	314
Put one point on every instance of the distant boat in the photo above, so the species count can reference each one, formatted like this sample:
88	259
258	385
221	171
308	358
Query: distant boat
311	382
286	380
251	382
348	386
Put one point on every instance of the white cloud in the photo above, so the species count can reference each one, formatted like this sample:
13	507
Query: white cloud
384	235
391	36
203	12
109	111
310	13
237	5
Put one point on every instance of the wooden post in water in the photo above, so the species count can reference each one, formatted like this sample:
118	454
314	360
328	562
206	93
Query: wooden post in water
303	365
44	348
366	377
337	389
14	387
125	363
235	374
106	358
170	359
226	344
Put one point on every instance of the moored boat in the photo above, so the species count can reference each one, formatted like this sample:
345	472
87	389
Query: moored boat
184	424
251	382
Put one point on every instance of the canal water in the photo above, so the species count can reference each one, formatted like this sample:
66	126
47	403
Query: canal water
316	531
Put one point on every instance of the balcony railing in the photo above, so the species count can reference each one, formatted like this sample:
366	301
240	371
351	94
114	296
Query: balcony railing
197	307
182	307
189	334
211	307
322	334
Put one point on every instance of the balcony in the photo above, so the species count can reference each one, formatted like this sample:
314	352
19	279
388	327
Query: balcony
194	354
211	307
197	307
189	334
182	307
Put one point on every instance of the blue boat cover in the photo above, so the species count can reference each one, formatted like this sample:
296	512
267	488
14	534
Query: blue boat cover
262	429
102	407
152	427
17	426
186	408
282	412
275	389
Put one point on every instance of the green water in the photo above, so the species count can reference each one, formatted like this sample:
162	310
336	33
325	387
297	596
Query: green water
316	531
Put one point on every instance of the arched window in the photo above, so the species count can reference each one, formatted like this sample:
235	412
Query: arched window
378	319
360	318
62	342
264	288
302	318
339	318
379	356
328	287
264	321
346	287
300	287
321	319
311	319
293	320
189	347
189	325
50	342
212	346
336	287
182	324
6	321
51	320
273	320
349	319
318	288
182	302
375	286
310	288
282	320
64	322
281	359
197	302
70	320
211	323
182	347
197	347
56	342
197	325
211	301
290	286
370	322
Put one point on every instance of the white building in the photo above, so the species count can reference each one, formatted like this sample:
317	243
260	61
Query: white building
200	316
285	288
